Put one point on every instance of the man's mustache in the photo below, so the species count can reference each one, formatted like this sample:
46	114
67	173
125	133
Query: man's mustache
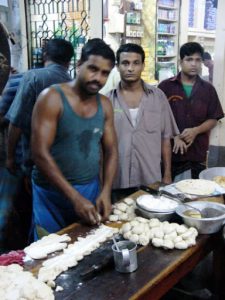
95	82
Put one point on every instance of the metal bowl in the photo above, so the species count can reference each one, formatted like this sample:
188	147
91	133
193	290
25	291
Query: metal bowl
210	173
162	216
203	225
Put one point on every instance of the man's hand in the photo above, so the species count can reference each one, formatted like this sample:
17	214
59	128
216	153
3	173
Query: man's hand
189	135
179	145
86	211
11	165
167	179
103	204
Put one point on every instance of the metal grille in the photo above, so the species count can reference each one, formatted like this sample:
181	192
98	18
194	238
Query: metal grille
47	19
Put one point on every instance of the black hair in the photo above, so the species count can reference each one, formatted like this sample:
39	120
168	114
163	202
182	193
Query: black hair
58	50
130	47
97	46
206	55
190	48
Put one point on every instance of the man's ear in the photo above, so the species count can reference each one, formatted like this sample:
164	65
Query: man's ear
79	63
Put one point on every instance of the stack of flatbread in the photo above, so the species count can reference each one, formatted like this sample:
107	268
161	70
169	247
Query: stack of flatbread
196	186
220	180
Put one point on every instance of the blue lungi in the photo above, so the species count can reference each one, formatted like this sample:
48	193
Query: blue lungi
52	211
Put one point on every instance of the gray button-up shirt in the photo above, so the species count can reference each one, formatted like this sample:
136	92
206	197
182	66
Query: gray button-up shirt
140	146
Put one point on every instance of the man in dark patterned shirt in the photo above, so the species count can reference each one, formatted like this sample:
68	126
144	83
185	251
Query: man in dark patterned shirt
196	108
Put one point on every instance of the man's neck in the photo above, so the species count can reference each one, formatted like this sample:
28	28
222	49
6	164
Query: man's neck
186	79
131	86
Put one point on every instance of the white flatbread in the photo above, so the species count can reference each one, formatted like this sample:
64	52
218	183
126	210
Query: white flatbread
196	187
220	180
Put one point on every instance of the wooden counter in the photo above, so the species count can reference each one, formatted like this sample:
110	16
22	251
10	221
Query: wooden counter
158	271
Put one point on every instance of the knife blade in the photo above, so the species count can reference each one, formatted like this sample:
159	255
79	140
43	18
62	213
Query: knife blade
97	268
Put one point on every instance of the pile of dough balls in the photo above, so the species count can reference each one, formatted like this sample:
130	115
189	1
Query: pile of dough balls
161	234
17	284
123	211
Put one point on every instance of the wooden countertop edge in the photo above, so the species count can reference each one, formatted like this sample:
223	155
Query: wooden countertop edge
151	291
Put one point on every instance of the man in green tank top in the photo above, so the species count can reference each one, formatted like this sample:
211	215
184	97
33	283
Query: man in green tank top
71	124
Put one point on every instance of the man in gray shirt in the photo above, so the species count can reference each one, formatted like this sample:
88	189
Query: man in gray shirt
144	124
57	55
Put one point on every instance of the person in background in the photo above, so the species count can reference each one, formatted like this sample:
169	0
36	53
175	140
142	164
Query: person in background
56	55
208	62
196	109
10	185
72	125
144	124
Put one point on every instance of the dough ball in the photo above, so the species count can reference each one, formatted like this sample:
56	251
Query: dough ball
154	223
129	201
123	217
157	242
122	206
134	238
138	229
134	223
187	235
158	233
113	218
126	227
171	236
127	235
117	212
181	229
143	239
141	220
168	244
130	210
191	242
177	239
168	229
194	231
99	218
181	245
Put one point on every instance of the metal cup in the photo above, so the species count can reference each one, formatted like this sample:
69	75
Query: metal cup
126	258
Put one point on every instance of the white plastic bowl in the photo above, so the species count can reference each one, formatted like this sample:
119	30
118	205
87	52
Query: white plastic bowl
210	173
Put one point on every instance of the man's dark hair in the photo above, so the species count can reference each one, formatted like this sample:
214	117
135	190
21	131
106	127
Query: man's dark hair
130	47
191	48
59	51
97	46
206	55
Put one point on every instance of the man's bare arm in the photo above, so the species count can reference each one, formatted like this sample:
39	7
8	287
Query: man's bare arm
189	134
44	123
166	158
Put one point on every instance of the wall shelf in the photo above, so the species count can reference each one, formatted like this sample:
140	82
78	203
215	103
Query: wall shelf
167	38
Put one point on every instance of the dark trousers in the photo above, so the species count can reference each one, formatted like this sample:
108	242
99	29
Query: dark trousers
195	167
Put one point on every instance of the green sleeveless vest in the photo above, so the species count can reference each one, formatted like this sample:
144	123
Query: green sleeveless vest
76	148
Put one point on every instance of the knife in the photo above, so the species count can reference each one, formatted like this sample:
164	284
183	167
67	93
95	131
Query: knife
149	190
97	268
162	192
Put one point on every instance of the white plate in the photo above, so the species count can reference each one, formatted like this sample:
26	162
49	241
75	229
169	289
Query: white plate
200	187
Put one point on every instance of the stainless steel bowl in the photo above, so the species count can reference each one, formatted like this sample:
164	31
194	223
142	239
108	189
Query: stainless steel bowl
162	216
203	225
210	173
